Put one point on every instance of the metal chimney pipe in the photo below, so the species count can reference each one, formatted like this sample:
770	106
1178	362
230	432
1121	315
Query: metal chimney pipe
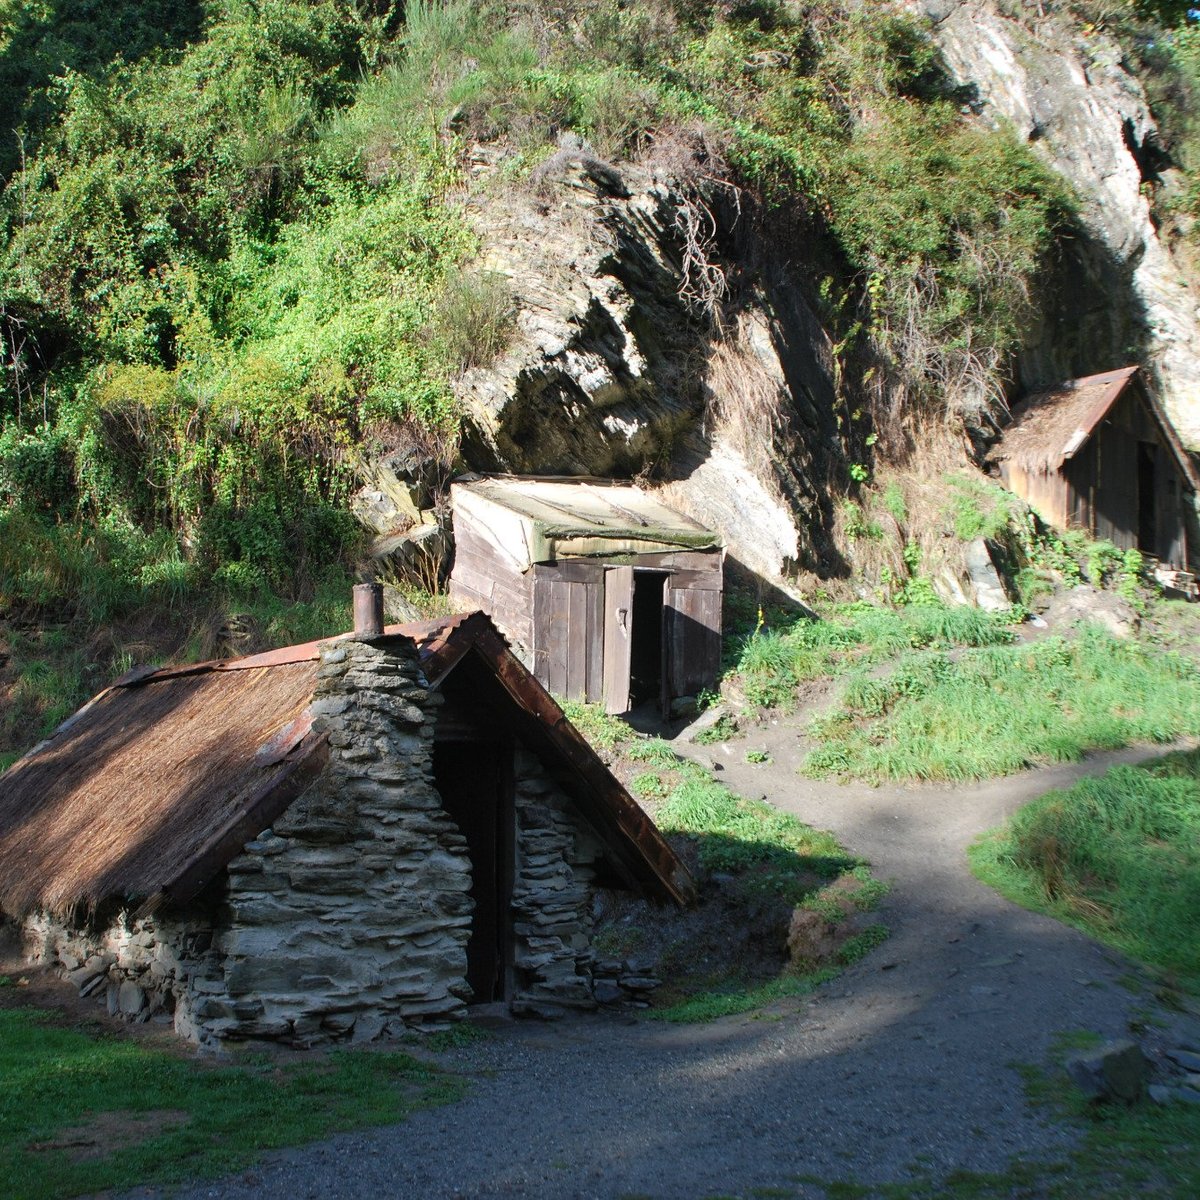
368	610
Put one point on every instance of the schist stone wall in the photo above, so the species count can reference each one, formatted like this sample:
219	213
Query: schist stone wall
349	918
552	897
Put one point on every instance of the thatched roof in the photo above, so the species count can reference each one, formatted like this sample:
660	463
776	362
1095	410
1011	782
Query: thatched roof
156	784
1052	426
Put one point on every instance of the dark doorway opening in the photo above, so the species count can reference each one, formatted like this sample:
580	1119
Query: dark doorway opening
1147	530
474	779
646	667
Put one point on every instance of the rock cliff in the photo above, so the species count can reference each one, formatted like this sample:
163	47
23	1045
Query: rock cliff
620	367
1121	295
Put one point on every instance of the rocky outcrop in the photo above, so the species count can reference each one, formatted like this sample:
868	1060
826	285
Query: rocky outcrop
1121	296
617	368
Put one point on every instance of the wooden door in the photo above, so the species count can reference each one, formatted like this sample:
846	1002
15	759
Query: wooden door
693	639
568	629
618	637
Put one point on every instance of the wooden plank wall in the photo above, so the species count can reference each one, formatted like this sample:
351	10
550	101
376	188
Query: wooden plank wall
555	612
484	578
1097	490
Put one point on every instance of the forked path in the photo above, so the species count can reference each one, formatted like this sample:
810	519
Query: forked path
903	1064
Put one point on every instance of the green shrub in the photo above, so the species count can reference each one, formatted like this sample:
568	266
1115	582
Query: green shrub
37	470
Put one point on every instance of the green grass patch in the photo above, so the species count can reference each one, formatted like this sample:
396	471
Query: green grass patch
772	663
1117	856
998	709
724	730
733	998
772	851
68	1093
754	866
603	731
457	1037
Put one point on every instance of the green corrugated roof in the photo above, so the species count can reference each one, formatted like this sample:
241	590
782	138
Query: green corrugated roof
590	517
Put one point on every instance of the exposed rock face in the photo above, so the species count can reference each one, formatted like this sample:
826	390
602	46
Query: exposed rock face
615	371
597	381
1123	297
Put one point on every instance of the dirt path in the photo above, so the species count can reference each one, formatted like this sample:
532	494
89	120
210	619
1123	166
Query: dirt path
903	1064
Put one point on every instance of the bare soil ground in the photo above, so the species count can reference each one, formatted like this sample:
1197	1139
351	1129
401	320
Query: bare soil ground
905	1066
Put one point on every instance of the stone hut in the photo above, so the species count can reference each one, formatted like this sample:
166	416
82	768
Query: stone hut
331	841
606	592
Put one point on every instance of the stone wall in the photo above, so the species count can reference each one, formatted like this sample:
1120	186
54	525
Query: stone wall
350	918
552	897
164	966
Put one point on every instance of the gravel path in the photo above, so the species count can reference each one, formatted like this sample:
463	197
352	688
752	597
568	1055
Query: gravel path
903	1063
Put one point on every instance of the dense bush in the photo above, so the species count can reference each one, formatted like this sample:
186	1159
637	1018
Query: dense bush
233	249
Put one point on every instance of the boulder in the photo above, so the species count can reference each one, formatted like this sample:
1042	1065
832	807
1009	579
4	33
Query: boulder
1085	603
1116	1070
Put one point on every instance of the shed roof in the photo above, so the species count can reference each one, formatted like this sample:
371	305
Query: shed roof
1052	426
158	782
545	519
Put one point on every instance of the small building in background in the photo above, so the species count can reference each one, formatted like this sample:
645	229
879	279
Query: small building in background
1100	454
609	595
329	841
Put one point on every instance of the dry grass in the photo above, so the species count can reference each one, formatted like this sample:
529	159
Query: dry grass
746	400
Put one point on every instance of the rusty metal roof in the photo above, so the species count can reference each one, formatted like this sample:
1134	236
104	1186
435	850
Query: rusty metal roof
154	785
1052	426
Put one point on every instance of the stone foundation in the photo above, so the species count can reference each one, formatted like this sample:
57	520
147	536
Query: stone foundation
142	968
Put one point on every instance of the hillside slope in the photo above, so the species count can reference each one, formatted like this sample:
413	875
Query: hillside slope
257	255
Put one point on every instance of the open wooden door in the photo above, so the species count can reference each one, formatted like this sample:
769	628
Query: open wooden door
618	637
693	637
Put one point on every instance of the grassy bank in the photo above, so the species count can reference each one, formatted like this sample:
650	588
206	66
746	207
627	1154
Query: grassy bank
755	867
1117	856
86	1113
927	692
997	710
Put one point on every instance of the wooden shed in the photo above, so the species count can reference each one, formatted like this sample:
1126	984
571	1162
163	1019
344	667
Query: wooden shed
608	594
1100	454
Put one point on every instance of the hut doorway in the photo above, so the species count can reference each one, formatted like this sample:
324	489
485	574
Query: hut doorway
635	642
647	665
1147	526
474	779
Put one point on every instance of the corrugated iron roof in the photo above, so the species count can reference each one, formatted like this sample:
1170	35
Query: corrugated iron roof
1052	426
544	519
156	783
